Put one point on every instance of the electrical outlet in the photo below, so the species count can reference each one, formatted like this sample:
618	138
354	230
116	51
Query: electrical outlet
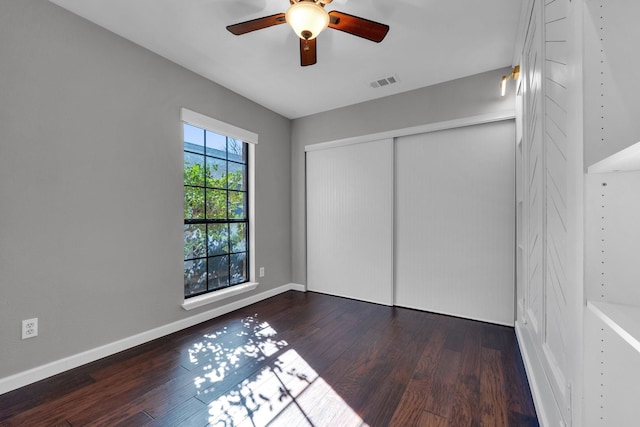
261	271
29	328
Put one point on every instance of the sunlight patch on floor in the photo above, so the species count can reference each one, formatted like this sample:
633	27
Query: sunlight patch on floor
289	388
285	391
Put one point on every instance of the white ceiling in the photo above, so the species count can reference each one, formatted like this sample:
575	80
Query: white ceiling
430	41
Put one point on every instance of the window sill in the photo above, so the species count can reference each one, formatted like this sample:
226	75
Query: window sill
199	301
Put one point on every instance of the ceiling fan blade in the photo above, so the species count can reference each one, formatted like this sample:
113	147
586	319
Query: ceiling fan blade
307	52
257	24
360	27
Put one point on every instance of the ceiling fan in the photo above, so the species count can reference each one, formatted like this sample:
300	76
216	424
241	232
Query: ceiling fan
308	18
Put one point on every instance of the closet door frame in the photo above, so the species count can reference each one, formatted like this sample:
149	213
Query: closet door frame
393	134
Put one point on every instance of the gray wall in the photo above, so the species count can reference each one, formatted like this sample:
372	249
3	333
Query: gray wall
466	97
91	184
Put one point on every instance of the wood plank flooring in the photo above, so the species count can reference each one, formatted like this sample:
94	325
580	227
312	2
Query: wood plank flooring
297	359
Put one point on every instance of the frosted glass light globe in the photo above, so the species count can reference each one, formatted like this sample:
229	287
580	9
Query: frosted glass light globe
307	18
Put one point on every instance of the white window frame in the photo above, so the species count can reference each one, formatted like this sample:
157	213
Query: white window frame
251	138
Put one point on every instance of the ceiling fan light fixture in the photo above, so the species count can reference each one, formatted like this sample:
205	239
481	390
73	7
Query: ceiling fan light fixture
307	18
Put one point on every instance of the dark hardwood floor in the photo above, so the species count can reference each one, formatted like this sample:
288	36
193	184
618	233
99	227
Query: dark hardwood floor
297	359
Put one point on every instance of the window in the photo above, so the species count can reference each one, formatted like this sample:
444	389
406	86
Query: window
216	208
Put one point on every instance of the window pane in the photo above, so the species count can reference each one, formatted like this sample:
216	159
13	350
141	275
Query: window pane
216	145
238	237
239	268
193	202
237	150
216	204
193	169
216	173
218	239
195	276
237	205
237	176
215	193
194	238
193	139
218	272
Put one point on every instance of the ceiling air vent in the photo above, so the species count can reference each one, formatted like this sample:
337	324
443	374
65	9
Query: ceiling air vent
384	81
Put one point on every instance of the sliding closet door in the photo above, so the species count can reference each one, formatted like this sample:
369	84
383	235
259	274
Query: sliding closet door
455	225
350	221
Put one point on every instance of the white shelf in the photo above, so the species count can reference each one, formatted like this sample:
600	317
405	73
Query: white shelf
623	319
622	161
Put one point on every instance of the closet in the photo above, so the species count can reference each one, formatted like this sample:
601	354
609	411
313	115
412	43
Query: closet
423	221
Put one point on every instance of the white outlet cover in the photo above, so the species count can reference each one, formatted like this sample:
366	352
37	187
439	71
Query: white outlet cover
29	328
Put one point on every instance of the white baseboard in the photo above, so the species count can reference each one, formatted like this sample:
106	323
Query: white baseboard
33	375
298	287
538	381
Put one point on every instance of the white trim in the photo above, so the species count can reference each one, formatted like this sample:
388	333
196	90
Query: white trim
414	130
532	367
298	287
206	122
252	211
211	297
22	379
